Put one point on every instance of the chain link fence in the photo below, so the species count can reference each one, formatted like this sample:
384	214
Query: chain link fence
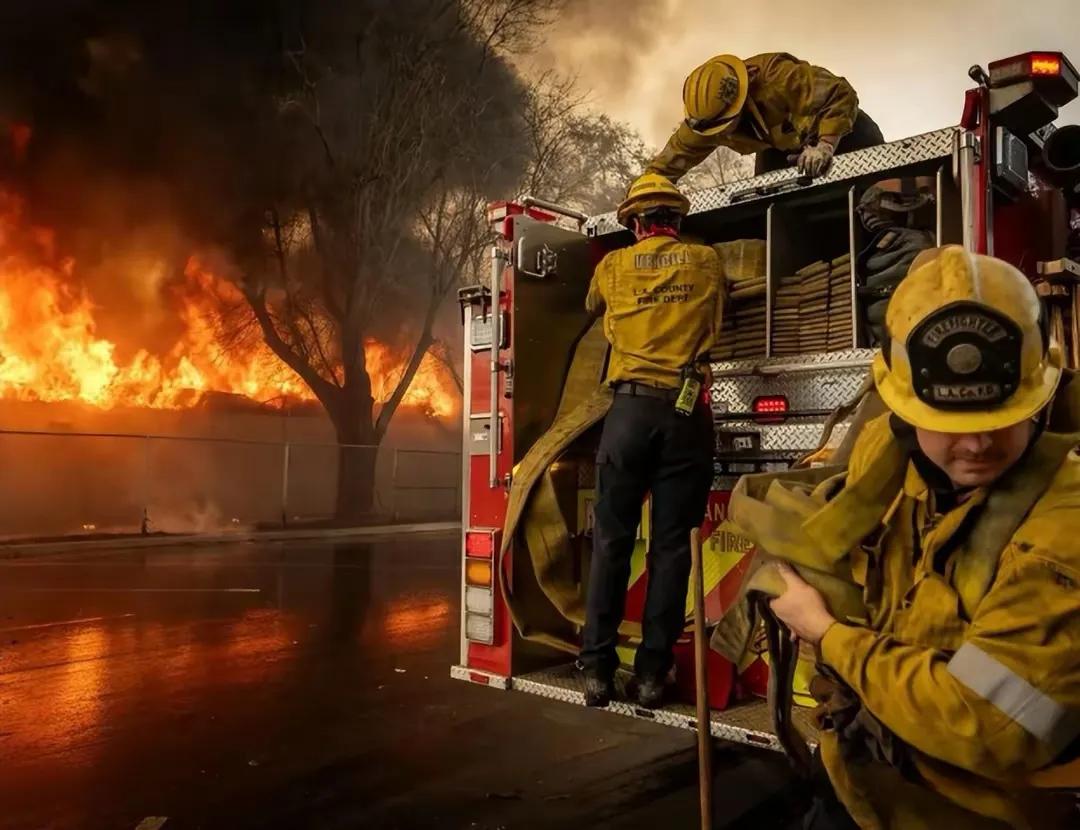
56	484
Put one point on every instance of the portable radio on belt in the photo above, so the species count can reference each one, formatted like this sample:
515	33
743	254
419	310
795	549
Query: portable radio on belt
689	391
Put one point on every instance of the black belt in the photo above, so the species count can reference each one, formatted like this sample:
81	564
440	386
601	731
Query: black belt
630	387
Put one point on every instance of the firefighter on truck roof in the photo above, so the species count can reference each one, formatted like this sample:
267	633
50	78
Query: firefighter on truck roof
958	695
662	301
781	108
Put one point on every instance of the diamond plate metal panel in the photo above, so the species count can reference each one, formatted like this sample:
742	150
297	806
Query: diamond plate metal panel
880	159
810	382
799	437
746	723
819	382
782	364
791	436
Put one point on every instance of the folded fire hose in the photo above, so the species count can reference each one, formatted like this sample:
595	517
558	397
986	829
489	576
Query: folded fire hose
546	599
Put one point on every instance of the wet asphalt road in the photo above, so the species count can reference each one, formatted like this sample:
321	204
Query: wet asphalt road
305	684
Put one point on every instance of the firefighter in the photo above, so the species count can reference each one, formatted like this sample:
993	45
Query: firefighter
964	678
662	301
781	108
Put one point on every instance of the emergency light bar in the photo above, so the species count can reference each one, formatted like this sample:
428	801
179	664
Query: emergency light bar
1053	75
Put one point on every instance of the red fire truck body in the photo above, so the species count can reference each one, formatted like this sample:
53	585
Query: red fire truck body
1003	182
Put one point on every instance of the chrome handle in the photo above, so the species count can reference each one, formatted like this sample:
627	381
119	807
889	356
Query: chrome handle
498	259
552	207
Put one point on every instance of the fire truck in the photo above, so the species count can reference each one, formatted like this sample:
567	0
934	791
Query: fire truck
1003	182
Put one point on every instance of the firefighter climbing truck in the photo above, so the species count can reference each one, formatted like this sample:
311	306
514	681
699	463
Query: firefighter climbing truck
1003	182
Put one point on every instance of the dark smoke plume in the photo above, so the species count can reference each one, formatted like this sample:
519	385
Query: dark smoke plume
170	118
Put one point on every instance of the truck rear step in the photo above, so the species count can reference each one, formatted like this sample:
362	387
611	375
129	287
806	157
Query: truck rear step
747	722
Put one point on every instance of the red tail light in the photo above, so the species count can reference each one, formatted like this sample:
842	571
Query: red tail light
770	409
480	543
770	404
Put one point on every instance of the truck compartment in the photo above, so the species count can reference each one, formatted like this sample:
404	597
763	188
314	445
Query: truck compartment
742	334
794	349
810	286
789	356
892	221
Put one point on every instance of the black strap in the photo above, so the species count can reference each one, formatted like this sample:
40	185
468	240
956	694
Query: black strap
644	390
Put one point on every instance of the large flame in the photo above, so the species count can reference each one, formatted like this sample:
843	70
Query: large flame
51	348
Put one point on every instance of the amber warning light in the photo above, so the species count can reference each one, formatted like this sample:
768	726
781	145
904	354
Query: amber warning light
1045	65
478	572
1051	73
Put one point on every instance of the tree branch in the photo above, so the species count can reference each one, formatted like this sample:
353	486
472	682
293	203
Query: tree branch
326	392
327	268
386	413
441	353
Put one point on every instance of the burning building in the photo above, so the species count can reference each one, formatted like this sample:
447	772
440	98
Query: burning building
185	431
265	204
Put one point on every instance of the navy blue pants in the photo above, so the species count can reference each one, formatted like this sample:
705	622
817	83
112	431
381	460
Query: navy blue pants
646	447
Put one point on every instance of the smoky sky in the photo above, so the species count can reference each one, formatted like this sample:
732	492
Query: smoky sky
907	60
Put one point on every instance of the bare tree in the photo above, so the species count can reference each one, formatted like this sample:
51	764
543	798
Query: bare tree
509	26
577	156
399	141
453	230
442	353
722	167
393	140
411	129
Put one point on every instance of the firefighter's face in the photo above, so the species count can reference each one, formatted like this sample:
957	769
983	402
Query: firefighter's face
976	459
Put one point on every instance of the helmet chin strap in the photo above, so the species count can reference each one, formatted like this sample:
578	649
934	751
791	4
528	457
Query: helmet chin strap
931	473
936	478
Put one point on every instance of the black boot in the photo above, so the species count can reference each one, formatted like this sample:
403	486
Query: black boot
599	690
649	692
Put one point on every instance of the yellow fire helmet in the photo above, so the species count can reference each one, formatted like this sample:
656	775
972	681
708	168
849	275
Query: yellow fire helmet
650	191
967	350
714	95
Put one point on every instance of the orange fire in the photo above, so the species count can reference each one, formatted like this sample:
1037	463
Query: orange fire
51	348
429	390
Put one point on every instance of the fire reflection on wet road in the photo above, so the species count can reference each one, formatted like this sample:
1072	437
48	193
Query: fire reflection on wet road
284	685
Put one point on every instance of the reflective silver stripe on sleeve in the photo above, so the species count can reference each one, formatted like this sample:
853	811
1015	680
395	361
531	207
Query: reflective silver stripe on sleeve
1043	717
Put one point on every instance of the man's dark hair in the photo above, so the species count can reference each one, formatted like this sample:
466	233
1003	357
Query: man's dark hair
662	217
